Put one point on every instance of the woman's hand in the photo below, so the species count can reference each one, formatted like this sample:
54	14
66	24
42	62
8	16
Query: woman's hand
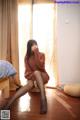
34	47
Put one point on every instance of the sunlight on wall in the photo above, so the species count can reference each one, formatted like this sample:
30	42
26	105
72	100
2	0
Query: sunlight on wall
43	32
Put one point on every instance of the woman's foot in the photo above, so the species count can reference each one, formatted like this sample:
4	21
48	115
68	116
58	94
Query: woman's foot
43	108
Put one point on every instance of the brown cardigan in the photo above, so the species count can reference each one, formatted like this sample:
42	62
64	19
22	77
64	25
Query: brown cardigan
35	62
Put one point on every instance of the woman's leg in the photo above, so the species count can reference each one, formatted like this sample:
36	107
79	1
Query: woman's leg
40	83
20	92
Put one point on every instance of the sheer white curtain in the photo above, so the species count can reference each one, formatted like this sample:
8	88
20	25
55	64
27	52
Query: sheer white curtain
24	34
43	32
37	23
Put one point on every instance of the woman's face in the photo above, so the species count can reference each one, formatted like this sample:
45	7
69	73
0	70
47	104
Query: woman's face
34	46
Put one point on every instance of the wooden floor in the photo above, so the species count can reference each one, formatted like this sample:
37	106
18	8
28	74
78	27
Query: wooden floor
60	106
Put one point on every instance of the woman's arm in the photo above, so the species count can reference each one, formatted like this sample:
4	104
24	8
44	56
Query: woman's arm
40	60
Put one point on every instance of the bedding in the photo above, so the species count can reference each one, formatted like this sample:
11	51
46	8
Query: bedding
6	69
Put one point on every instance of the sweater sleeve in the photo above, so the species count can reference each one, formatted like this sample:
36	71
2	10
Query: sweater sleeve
28	72
40	60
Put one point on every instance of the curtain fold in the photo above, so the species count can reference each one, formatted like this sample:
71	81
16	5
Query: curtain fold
9	33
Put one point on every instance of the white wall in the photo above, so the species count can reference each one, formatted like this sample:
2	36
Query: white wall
68	42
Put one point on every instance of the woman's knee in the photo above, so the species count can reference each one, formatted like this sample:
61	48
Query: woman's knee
36	72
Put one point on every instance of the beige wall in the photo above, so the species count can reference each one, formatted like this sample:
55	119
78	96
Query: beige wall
68	42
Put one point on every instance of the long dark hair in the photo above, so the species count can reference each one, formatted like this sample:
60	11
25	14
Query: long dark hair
30	43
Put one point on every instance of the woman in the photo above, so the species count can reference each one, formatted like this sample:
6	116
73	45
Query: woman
34	71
